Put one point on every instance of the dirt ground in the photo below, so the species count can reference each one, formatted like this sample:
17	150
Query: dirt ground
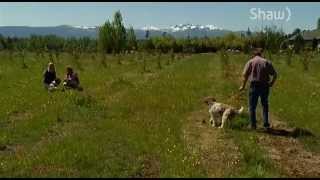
289	154
219	153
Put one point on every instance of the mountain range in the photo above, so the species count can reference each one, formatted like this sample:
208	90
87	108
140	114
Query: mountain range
178	31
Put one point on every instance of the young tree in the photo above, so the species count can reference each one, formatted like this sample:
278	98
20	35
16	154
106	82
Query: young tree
2	43
146	46
21	46
248	33
147	34
10	46
132	41
274	37
289	56
296	32
105	40
306	59
35	45
298	43
225	64
159	44
318	24
119	34
314	44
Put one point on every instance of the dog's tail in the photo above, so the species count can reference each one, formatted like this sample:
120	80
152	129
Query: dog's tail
240	110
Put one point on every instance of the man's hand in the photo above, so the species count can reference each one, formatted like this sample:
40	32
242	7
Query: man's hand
241	88
271	83
244	81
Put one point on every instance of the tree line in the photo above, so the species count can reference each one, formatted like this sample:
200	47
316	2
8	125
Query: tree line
114	38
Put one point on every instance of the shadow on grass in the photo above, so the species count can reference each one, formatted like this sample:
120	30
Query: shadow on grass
242	123
294	132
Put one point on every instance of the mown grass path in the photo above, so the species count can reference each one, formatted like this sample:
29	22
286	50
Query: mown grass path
289	154
261	155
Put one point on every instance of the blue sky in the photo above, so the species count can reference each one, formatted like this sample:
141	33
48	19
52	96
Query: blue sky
228	15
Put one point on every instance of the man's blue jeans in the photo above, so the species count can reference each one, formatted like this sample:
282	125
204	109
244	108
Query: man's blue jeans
258	90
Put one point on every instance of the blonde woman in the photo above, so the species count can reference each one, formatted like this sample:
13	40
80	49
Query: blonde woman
50	78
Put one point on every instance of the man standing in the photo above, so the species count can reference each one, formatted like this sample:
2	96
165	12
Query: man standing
258	71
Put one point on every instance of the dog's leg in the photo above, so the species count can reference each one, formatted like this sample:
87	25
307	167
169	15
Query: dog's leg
225	117
212	120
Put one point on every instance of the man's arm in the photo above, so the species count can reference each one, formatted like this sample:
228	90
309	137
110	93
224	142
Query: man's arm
244	82
274	78
245	76
274	74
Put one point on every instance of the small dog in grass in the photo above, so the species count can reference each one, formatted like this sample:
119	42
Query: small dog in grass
221	111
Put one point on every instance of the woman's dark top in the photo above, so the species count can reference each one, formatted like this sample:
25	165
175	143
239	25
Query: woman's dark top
73	77
49	77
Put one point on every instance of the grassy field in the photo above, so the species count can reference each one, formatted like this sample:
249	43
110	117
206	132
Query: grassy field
127	123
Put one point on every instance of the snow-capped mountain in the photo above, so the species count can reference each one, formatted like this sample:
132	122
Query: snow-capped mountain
85	27
184	27
150	28
184	30
178	31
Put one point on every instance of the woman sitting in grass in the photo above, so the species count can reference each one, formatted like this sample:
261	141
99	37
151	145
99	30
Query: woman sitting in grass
71	80
51	81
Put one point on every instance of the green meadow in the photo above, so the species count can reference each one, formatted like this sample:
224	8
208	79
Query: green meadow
128	122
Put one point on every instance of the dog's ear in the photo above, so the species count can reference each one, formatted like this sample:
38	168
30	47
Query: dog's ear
209	99
206	101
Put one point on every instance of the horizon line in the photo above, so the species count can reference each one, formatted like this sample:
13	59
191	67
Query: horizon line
141	28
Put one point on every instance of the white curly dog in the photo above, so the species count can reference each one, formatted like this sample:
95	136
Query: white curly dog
221	111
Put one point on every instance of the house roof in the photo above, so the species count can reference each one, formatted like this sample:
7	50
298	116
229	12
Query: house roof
308	35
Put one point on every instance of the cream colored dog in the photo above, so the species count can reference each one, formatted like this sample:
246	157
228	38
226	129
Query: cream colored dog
221	111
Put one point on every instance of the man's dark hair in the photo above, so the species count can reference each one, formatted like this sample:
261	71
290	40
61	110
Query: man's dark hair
258	51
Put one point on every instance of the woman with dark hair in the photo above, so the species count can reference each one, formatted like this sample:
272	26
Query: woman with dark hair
71	79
